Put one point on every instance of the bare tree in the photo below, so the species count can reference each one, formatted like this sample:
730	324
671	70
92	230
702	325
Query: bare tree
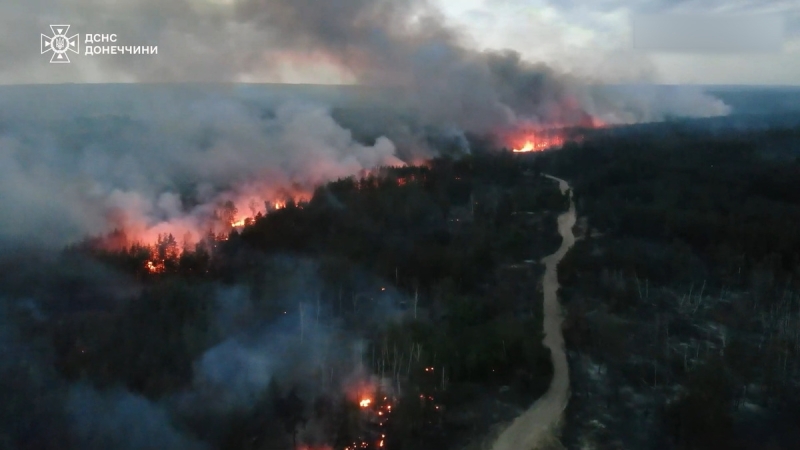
416	300
302	322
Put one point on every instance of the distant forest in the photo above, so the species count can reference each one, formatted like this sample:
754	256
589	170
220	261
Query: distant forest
683	297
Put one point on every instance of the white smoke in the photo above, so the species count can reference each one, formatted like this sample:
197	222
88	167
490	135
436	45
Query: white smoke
159	160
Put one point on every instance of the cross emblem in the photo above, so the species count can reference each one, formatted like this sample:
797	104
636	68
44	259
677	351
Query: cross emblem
60	44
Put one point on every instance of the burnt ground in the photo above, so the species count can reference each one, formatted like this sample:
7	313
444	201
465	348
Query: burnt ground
668	367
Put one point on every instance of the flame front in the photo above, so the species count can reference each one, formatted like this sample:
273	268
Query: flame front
539	137
536	142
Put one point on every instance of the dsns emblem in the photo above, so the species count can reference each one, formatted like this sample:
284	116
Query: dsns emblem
60	44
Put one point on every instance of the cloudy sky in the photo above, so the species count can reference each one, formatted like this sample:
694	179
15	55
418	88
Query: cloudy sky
585	35
333	41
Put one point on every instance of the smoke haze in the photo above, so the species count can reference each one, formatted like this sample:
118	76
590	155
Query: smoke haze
301	346
78	160
156	156
84	159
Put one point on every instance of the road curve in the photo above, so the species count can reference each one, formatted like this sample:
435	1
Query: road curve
539	426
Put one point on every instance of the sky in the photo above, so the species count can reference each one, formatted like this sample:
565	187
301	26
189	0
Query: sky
251	40
586	35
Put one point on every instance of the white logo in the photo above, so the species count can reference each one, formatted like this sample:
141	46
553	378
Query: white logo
59	44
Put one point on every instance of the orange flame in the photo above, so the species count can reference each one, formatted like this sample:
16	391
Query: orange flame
536	142
536	138
154	267
364	403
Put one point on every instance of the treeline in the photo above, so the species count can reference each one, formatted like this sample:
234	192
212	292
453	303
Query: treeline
723	196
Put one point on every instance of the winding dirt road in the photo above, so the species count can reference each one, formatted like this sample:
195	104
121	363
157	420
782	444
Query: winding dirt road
539	426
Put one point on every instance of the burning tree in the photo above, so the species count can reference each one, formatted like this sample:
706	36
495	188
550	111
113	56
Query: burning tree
164	255
227	214
540	137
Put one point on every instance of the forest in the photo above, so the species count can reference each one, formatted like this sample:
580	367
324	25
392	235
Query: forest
683	295
401	309
398	310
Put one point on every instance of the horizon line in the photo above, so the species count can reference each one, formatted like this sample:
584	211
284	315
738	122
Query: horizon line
356	85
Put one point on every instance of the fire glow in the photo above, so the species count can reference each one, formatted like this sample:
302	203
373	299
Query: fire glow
211	223
537	138
222	222
231	211
375	403
245	221
539	141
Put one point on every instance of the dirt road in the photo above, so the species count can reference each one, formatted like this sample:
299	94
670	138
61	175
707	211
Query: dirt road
539	426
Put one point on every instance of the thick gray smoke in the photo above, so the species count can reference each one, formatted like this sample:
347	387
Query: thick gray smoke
402	43
81	159
78	160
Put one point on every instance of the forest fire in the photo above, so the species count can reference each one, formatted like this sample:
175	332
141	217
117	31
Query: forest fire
535	145
269	207
539	138
159	247
375	407
152	267
162	244
376	415
213	221
537	141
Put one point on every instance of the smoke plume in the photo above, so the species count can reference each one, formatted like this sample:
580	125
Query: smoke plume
159	160
155	159
406	44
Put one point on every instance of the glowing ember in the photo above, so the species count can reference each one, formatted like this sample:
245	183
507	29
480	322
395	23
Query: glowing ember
153	268
365	403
